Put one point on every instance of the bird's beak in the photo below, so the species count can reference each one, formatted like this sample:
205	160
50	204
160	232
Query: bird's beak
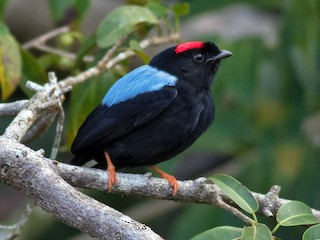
222	54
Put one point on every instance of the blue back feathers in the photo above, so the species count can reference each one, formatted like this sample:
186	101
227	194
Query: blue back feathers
141	80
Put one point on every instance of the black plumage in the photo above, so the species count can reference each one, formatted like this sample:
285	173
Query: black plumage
155	119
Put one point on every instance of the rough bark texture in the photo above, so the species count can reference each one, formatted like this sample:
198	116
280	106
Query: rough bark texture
28	171
197	191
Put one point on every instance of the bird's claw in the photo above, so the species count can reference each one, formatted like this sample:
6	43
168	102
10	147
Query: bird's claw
173	183
171	179
112	178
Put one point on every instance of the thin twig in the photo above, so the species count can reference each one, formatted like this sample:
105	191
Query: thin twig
12	109
107	57
40	44
62	53
174	37
40	126
41	102
45	37
236	212
94	71
35	87
15	230
59	131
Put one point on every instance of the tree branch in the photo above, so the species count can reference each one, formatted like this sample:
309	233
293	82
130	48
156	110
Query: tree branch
40	126
108	62
12	109
12	232
26	118
40	44
197	191
45	37
28	171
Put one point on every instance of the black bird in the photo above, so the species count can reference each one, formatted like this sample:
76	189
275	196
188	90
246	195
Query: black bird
153	113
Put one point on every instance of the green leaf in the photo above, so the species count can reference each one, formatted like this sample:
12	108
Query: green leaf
295	213
312	233
181	8
31	70
256	232
120	22
159	10
81	7
48	60
219	233
135	45
60	8
10	63
237	192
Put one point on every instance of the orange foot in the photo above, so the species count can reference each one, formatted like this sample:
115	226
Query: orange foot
171	179
112	175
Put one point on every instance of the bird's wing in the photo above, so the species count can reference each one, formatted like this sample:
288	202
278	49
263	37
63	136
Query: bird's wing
141	80
107	123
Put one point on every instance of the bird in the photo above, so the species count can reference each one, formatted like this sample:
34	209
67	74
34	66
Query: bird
152	113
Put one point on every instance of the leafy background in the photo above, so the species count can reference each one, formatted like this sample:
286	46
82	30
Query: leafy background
267	125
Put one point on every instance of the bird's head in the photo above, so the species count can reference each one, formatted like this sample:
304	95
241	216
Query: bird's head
193	62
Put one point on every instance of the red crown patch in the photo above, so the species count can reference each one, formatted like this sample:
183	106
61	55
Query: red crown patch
182	47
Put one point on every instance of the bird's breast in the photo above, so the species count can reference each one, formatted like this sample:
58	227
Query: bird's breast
191	114
202	111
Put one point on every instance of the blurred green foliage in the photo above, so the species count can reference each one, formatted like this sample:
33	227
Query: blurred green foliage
264	94
10	63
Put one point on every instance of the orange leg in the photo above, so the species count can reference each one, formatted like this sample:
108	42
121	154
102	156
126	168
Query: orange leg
171	179
112	175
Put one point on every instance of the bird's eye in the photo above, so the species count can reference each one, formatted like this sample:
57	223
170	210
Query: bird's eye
198	57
